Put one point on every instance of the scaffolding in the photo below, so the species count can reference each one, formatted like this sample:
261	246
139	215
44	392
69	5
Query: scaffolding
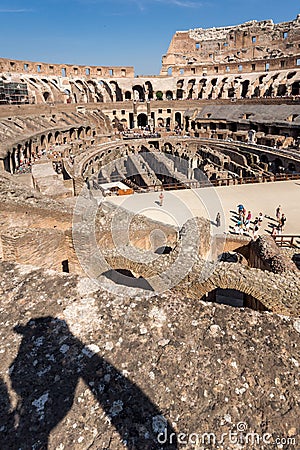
13	93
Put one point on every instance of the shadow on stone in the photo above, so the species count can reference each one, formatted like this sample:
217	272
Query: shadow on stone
164	250
126	278
45	374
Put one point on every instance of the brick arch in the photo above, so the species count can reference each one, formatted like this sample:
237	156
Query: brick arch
253	282
137	268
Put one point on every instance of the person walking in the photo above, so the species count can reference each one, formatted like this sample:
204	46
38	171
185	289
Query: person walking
161	198
218	219
247	225
282	222
255	230
249	216
274	232
278	213
240	208
260	218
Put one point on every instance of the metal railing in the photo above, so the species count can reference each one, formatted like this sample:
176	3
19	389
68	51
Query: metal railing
224	182
287	240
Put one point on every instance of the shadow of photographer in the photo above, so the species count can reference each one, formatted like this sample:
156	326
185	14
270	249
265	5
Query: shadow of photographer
44	375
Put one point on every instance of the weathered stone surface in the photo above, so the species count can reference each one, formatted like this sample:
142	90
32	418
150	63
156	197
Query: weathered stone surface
85	369
277	260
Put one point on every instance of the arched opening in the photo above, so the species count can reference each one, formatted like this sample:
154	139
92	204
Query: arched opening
278	165
190	88
125	277
169	95
296	88
138	93
245	87
291	167
168	123
281	91
65	266
117	91
56	137
233	297
170	70
80	132
256	92
187	123
264	159
43	140
124	124
160	122
159	95
164	250
179	94
46	96
202	87
127	95
178	119
142	120
149	90
231	92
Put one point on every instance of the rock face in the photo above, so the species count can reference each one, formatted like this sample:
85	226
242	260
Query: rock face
82	368
274	259
251	41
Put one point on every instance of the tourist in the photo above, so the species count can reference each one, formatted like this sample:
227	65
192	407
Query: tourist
240	210
247	225
161	198
278	213
260	218
282	222
274	232
255	230
239	227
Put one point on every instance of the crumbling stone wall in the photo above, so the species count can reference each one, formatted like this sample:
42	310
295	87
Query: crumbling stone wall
248	46
266	255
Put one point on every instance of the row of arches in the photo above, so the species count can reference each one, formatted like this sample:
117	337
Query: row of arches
81	90
54	144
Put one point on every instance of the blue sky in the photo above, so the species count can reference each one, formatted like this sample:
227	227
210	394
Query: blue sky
118	32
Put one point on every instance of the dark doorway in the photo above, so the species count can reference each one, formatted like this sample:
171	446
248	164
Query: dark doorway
65	266
142	120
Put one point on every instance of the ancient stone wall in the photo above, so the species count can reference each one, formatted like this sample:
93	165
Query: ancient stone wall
248	47
63	70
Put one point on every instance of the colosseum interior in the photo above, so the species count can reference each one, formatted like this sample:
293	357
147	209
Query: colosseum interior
120	328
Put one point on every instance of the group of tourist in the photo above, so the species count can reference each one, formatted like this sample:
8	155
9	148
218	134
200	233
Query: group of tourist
245	224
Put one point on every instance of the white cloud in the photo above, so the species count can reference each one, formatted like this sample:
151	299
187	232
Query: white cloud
12	11
182	3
